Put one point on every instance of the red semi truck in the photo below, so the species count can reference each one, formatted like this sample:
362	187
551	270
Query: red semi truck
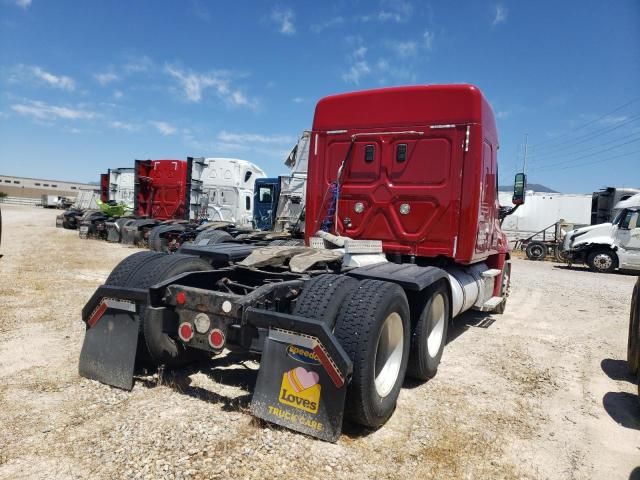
402	232
162	192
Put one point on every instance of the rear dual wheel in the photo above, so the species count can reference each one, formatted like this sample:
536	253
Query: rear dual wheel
372	321
143	270
429	335
212	237
373	327
157	242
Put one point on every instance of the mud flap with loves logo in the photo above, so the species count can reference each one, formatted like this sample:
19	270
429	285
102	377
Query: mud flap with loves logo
295	390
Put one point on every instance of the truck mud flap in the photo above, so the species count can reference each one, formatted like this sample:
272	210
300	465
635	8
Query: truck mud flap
113	233
110	344
295	389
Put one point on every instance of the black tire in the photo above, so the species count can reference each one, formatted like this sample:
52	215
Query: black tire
322	297
358	328
90	215
128	267
162	348
633	341
504	288
536	251
602	260
156	242
432	315
213	236
559	254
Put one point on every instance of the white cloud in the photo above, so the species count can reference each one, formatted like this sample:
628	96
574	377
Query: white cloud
284	18
129	127
356	72
386	72
194	85
23	3
501	114
297	100
398	11
404	49
164	128
244	138
106	78
359	53
359	67
44	111
25	73
117	94
334	22
500	15
428	38
56	81
137	64
200	11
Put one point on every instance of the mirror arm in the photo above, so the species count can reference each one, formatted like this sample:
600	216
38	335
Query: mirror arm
506	211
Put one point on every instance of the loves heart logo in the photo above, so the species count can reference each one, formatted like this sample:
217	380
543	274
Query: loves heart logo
300	379
300	389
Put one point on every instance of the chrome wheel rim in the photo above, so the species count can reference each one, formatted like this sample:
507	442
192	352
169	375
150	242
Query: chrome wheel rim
602	261
437	319
388	354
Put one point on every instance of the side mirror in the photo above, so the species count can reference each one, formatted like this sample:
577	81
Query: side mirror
519	187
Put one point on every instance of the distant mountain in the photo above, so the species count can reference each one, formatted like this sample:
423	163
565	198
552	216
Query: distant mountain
536	187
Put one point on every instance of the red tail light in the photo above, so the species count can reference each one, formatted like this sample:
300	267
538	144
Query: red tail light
181	298
216	339
185	331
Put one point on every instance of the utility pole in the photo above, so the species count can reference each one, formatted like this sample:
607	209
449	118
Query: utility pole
524	165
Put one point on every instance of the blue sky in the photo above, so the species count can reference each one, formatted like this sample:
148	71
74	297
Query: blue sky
88	85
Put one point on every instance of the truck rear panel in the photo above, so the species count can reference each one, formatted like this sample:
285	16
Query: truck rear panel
162	189
420	171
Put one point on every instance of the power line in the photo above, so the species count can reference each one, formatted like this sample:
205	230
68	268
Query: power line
601	160
547	157
591	135
591	122
548	169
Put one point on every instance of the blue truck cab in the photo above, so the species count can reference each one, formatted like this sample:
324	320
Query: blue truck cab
265	202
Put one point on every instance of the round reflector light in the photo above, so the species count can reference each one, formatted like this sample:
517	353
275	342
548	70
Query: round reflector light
226	306
405	208
202	323
181	298
185	331
358	207
216	338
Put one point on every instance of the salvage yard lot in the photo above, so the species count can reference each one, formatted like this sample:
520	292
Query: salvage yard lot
539	392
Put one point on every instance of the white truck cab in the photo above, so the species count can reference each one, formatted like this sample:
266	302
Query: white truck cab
122	186
222	189
608	246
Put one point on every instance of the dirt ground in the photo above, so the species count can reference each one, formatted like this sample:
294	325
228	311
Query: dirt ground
539	392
